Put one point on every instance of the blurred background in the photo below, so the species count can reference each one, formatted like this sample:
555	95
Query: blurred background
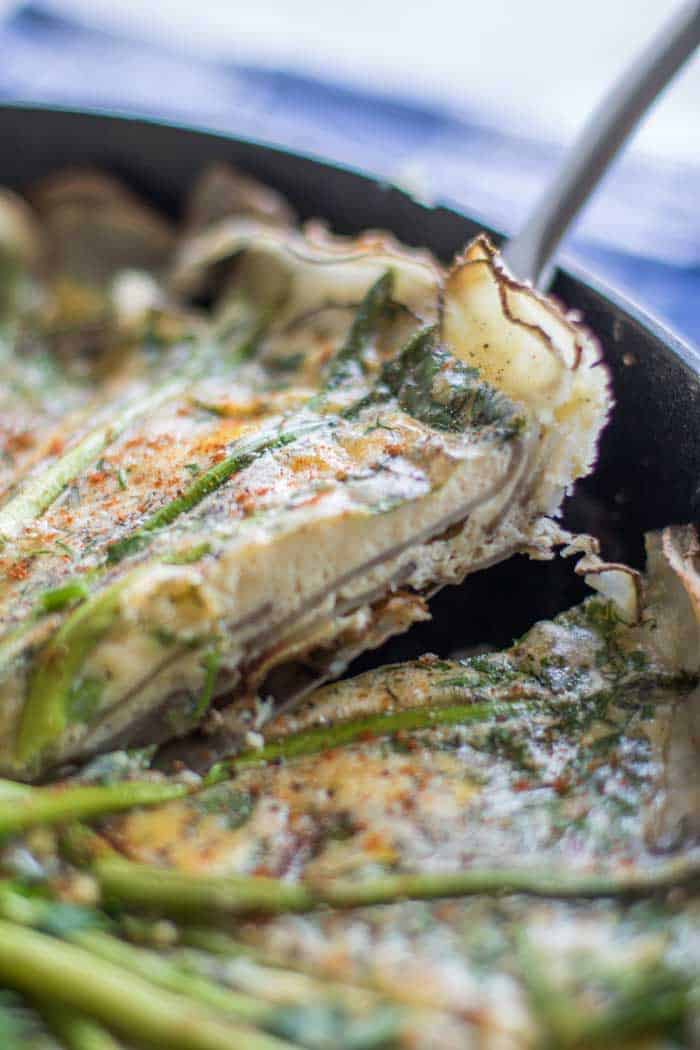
452	99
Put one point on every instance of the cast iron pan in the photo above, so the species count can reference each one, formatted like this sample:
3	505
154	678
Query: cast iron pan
648	473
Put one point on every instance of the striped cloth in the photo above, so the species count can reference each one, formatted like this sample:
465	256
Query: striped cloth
641	233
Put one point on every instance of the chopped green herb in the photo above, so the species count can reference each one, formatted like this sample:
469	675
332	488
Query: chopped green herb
433	386
225	801
61	597
188	554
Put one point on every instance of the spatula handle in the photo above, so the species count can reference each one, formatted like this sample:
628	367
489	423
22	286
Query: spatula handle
530	252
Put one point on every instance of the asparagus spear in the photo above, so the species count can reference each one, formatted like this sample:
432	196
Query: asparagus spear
48	969
76	1031
312	741
56	805
214	942
282	1018
54	686
67	594
182	895
81	846
21	1027
205	484
344	366
159	971
299	1017
204	940
83	926
46	711
502	881
348	363
40	491
169	892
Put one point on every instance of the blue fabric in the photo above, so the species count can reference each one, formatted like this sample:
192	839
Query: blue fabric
641	233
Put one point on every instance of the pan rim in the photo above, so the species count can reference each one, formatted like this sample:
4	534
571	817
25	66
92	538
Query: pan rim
620	301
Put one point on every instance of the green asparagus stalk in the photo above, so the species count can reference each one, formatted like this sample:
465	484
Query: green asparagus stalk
313	741
40	491
82	846
48	969
215	942
355	994
76	1031
165	974
276	1011
61	597
348	362
82	926
202	487
46	710
181	895
502	881
286	1014
140	886
57	805
60	918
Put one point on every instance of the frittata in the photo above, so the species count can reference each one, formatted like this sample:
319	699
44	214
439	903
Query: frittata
246	448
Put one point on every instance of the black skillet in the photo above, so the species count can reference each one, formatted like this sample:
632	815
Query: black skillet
648	474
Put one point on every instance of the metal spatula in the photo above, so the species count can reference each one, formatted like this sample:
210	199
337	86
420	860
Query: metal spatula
529	254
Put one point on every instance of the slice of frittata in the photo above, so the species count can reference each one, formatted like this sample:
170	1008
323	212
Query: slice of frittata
248	447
